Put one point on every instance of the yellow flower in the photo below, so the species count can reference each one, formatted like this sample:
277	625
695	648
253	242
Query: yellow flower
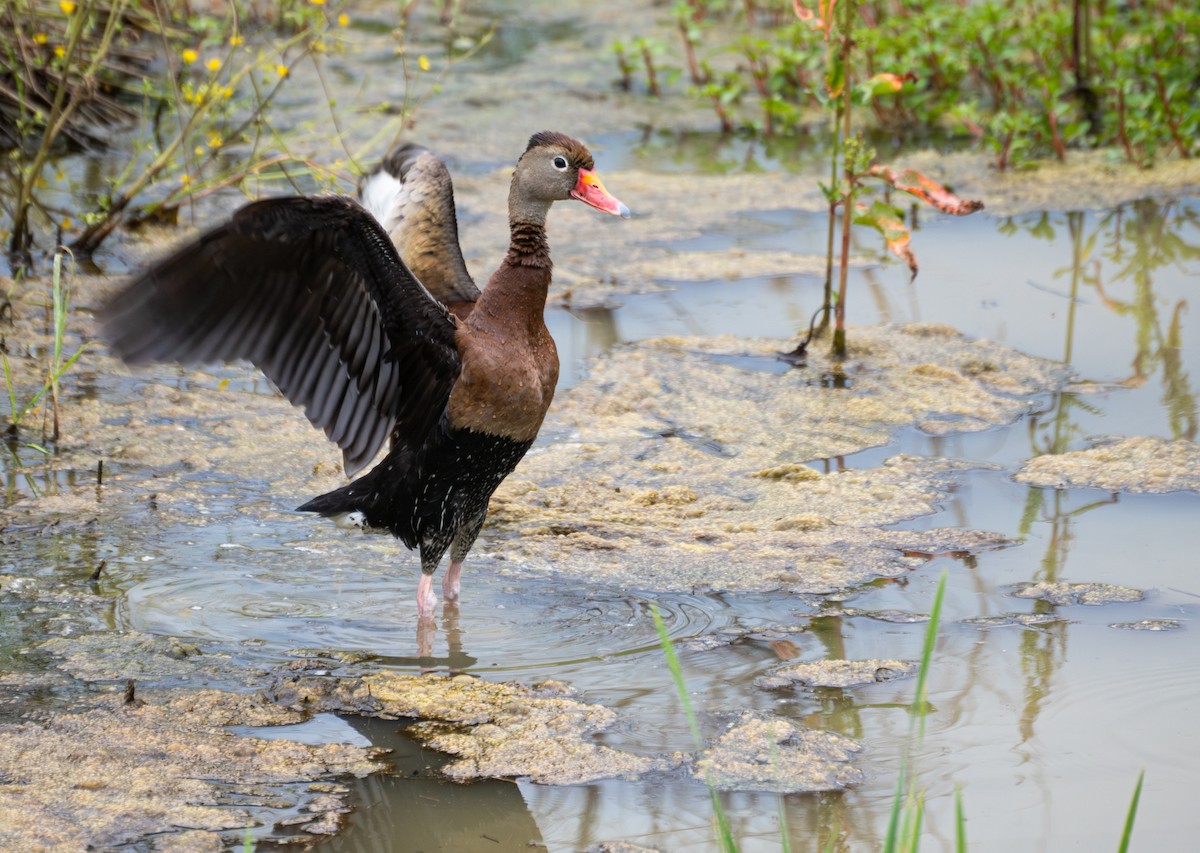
67	6
199	150
215	140
185	180
343	20
39	38
281	70
190	56
317	2
318	46
236	40
67	224
227	92
213	64
423	62
60	51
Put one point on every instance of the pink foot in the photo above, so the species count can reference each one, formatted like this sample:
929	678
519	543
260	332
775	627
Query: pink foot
426	600
450	582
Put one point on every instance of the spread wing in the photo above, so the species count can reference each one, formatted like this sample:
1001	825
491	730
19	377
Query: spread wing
311	291
412	195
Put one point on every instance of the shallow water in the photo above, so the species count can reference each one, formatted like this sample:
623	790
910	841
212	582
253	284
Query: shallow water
1043	728
1037	725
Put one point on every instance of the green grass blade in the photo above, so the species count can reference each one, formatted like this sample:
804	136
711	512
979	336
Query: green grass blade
960	823
677	673
724	831
14	416
785	841
893	827
1133	807
66	365
919	706
913	836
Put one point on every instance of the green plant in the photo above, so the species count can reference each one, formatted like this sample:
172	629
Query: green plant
56	367
856	163
208	116
1131	815
724	832
908	805
198	103
993	70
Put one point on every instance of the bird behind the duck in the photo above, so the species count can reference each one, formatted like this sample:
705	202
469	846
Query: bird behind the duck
315	292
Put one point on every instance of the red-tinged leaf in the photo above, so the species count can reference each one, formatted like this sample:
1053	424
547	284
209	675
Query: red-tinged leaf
822	19
927	189
886	83
885	219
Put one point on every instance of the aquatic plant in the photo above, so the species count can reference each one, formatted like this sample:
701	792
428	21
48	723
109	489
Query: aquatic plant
856	162
57	365
1131	815
908	805
990	70
724	832
78	48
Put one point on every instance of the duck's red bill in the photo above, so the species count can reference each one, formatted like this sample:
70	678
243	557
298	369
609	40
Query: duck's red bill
590	191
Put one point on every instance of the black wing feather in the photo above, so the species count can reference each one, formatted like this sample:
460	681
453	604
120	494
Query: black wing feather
312	291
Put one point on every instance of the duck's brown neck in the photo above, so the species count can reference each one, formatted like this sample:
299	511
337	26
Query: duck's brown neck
527	246
527	225
516	292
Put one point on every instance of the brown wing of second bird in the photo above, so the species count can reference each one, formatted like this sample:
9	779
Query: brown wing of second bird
412	196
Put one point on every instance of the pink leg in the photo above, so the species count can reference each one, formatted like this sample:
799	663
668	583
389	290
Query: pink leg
426	600
450	582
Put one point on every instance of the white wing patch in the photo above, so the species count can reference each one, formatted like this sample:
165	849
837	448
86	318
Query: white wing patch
383	194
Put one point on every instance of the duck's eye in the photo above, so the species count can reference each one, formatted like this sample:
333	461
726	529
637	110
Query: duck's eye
560	163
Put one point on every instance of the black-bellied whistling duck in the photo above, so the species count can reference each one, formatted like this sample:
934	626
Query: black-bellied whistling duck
312	291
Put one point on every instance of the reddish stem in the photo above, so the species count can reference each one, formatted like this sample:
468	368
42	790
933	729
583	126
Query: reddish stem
1172	121
1060	148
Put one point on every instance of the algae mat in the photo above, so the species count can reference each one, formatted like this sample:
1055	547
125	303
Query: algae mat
677	467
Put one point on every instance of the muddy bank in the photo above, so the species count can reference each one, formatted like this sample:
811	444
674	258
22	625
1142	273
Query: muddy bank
1062	594
100	764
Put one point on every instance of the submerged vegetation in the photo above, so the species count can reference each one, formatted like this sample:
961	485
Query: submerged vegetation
1027	80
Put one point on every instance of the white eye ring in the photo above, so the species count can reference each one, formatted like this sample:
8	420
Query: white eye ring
560	163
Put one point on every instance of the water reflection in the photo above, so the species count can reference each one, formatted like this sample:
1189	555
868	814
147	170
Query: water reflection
1127	249
712	152
414	808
